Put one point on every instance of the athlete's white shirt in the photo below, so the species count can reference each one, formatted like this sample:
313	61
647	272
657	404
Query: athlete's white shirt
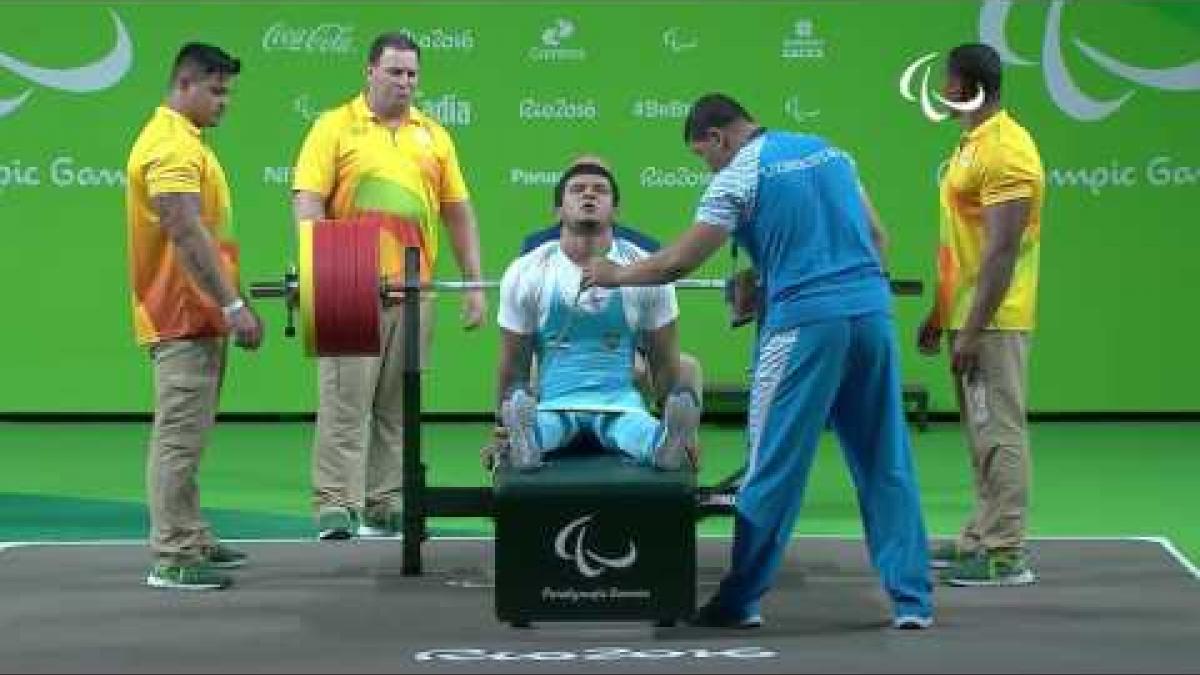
530	281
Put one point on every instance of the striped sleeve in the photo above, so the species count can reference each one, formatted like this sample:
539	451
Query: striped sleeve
729	197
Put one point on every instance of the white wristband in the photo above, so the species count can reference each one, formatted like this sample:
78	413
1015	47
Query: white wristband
228	310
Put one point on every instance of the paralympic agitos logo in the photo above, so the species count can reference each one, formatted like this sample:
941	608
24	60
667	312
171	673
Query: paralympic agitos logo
571	545
94	76
1061	86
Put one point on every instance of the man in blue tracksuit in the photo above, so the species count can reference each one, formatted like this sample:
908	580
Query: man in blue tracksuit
826	350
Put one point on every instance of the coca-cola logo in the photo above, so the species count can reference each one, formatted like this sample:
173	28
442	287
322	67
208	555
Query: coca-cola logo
325	38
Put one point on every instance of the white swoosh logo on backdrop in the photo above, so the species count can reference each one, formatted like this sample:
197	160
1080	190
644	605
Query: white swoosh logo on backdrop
95	76
927	95
1063	91
993	17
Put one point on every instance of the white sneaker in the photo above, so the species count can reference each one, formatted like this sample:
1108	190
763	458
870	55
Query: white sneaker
681	417
912	622
519	414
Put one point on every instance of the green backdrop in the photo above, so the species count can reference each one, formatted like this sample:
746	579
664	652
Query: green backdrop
524	86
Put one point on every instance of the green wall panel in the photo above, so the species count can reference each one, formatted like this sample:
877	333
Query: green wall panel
524	86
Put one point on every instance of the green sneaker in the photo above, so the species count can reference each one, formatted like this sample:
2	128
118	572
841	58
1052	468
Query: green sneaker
335	522
947	554
224	557
380	523
194	577
992	568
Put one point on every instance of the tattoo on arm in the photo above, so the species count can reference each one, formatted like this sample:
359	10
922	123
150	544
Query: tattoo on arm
179	215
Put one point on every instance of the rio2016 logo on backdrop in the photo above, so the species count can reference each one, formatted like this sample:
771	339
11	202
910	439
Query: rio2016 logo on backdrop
95	76
1060	85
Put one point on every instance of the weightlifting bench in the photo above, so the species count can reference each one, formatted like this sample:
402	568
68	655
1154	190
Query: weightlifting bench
595	537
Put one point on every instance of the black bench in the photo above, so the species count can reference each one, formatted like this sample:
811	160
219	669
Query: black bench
595	538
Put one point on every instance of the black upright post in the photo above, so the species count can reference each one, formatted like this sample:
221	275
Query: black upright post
414	469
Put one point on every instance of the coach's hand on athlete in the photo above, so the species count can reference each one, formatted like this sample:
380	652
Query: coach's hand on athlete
474	308
599	272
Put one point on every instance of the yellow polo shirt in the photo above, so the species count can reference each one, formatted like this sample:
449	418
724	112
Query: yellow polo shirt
993	163
360	165
169	156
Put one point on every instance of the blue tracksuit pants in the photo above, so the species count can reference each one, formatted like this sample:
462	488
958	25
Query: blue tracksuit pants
845	373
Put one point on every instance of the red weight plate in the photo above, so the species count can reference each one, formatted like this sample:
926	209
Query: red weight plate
346	288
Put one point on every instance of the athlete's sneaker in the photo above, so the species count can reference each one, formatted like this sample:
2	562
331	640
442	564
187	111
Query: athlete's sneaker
519	415
224	557
681	418
335	522
992	568
200	576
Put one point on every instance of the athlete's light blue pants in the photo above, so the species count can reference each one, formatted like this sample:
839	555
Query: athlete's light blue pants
634	433
844	372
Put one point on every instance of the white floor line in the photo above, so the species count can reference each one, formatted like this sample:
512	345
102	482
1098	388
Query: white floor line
1175	553
295	540
1162	541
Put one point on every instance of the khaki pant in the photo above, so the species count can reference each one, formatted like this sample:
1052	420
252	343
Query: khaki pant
993	407
357	460
187	384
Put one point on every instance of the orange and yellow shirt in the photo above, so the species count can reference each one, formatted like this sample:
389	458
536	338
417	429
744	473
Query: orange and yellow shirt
995	162
170	156
360	165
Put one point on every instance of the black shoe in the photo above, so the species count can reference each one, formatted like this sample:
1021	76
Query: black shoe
712	615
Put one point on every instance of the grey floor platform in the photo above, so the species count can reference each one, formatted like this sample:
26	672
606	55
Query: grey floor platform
1126	605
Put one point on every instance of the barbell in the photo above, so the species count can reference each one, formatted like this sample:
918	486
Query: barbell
337	291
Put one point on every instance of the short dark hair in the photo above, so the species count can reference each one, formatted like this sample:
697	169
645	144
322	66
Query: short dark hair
204	59
712	110
585	169
399	41
976	65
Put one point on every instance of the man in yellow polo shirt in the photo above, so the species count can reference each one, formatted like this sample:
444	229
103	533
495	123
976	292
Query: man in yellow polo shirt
991	204
378	153
183	264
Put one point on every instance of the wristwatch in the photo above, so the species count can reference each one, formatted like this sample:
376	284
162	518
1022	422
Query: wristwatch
232	308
